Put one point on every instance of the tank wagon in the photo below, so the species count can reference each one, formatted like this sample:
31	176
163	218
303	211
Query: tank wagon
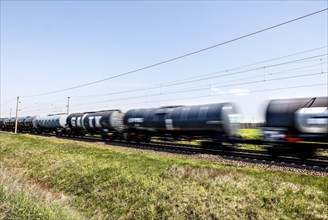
75	125
107	123
5	125
50	124
26	124
9	124
2	123
215	122
290	123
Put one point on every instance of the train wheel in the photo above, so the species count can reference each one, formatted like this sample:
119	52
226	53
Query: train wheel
304	152
145	139
274	151
104	137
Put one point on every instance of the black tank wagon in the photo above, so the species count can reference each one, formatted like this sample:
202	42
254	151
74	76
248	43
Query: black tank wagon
9	124
107	123
2	123
292	122
212	121
75	125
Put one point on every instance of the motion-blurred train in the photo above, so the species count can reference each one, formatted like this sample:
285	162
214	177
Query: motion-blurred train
291	125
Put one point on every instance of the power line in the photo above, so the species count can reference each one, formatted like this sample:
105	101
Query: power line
206	78
205	88
270	74
252	91
37	107
199	76
229	93
243	71
183	56
248	65
10	101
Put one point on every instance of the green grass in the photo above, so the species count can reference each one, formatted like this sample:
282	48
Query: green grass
250	133
94	181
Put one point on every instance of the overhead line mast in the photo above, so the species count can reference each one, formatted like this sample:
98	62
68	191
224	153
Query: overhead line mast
16	121
68	105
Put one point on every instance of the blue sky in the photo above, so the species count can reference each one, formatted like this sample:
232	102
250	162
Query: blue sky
52	45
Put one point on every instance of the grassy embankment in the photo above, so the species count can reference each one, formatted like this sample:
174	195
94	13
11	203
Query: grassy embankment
48	178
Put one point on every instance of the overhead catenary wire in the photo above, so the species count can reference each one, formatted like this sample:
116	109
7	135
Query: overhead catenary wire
243	71
50	107
205	78
214	95
157	86
182	56
294	70
8	102
39	106
202	75
228	93
247	65
203	88
251	91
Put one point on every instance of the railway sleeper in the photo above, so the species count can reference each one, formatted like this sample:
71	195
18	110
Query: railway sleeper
301	151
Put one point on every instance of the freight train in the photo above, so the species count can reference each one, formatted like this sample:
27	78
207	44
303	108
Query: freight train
291	125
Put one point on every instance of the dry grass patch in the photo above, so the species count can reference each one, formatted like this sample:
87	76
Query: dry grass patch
23	198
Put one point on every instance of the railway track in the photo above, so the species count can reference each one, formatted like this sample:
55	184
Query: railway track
252	156
316	163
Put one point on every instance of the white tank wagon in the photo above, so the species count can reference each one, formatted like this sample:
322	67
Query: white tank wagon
52	123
